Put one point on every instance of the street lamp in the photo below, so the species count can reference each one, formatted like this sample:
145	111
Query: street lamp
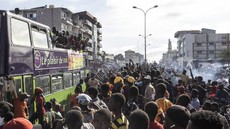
145	12
144	36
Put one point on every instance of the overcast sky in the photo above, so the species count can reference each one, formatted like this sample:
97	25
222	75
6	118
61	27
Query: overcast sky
121	24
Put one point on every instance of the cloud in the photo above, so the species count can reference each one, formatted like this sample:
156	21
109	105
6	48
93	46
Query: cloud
20	1
172	15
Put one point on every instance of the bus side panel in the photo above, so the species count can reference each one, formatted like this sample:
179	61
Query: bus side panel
21	60
62	97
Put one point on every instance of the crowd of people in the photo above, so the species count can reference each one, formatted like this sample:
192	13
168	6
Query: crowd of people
66	40
133	97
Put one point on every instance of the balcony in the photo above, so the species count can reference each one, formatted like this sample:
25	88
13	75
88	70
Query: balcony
99	58
99	45
99	31
99	53
99	38
76	24
89	57
89	32
88	23
85	54
67	20
89	49
90	41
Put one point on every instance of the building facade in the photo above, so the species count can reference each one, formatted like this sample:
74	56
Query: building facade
185	40
170	57
135	57
200	46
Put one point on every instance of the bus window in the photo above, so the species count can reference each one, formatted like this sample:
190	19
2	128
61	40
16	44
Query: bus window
39	38
82	74
57	83
76	78
18	83
44	83
28	84
68	80
20	32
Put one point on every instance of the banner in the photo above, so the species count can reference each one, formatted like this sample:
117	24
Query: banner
75	60
50	59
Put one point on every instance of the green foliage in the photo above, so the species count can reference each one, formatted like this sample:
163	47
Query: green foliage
225	55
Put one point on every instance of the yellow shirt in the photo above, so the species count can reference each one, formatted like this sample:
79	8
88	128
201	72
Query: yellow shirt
184	79
120	123
164	104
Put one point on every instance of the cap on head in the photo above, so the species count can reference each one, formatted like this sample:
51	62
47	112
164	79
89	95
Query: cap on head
147	77
19	123
131	79
118	79
38	90
83	99
24	95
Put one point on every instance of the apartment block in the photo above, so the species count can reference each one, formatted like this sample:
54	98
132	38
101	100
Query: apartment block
200	46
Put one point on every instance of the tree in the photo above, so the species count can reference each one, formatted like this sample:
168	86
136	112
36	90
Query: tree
225	55
119	57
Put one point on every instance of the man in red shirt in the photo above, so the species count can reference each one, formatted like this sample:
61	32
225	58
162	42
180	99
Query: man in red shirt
151	109
40	108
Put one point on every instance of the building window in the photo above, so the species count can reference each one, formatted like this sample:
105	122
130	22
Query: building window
34	15
224	43
198	44
211	52
199	52
211	43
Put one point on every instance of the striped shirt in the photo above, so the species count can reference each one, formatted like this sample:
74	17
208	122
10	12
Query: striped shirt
120	123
